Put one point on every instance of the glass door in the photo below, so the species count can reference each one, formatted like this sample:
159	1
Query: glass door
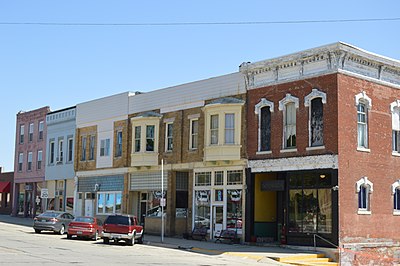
218	220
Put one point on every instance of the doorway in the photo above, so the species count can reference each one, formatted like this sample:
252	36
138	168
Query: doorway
218	220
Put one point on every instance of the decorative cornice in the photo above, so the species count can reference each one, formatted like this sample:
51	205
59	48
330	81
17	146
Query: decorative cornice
364	182
364	97
264	102
288	99
395	104
319	61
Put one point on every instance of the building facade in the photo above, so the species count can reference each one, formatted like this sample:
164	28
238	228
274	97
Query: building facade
6	196
194	132
59	172
101	156
29	165
323	148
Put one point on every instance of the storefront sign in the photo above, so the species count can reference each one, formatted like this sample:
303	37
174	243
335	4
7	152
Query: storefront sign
273	185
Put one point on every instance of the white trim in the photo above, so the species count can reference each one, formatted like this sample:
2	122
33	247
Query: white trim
315	148
288	150
263	102
315	93
294	163
288	99
362	149
364	212
396	213
263	152
364	181
362	96
395	153
111	171
395	185
394	105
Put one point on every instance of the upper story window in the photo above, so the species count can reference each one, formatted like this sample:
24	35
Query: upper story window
21	134
70	149
229	128
315	101
105	147
60	155
145	127
288	105
40	130
92	142
214	129
138	133
30	136
118	150
150	138
218	178
29	166
83	148
20	161
395	109
169	136
264	109
235	177
364	188
363	103
194	134
51	152
39	159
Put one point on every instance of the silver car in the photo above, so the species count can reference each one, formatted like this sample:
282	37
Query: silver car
56	221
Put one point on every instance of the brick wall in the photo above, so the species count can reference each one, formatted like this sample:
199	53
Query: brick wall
121	161
88	164
299	89
378	165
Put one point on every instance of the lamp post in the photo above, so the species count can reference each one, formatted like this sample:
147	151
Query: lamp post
162	201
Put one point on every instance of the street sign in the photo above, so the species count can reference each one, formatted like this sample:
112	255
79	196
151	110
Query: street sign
44	193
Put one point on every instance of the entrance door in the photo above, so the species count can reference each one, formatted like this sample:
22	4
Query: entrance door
89	207
218	220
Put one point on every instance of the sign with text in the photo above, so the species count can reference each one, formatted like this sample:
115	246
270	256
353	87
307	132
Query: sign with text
44	193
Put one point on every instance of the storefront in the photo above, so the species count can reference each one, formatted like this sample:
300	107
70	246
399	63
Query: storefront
218	200
290	207
99	195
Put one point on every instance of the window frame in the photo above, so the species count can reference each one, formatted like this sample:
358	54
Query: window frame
362	99
60	151
283	106
29	161
104	194
70	144
105	147
39	159
52	147
169	136
395	112
118	148
364	188
151	138
20	161
40	130
21	134
214	129
30	133
92	144
229	132
194	134
83	148
263	109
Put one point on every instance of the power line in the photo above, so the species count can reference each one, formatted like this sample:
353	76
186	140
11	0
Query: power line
200	23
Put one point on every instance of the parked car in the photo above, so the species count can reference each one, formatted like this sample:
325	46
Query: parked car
85	227
122	227
56	221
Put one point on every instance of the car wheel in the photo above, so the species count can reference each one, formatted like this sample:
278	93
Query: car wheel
140	240
96	236
69	236
62	230
38	231
106	240
131	241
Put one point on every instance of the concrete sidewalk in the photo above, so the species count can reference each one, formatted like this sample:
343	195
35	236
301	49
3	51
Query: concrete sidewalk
261	254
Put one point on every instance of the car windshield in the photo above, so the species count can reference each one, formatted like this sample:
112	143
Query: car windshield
84	219
49	214
117	220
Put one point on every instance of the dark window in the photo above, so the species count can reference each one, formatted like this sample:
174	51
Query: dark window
122	220
363	198
265	129
396	140
317	123
397	199
118	152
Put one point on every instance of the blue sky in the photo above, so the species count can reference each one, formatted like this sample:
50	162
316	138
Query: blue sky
60	66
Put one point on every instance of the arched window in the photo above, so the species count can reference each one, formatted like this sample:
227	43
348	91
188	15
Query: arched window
264	109
288	105
363	103
364	188
395	110
315	101
396	197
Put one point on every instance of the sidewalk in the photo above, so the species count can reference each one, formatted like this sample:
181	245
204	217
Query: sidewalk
261	254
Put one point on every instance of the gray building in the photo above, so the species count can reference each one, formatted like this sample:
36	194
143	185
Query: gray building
60	172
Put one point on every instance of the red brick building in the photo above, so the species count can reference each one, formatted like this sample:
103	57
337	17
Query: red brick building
6	184
29	161
323	130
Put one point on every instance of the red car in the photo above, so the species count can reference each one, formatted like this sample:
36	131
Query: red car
85	227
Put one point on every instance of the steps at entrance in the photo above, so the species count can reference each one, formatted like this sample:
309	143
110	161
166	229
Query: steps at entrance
307	259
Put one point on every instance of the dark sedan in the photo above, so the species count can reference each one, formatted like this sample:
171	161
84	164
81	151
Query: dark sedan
56	221
85	227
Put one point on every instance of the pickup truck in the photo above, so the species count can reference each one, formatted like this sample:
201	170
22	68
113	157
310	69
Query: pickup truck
122	227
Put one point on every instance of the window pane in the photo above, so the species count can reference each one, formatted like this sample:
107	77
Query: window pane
118	202
100	203
290	125
202	209
235	177
203	179
234	209
265	129
214	129
219	178
110	201
194	134
137	138
325	210
150	138
317	124
229	128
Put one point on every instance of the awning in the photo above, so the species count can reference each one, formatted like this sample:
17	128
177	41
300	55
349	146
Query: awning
5	187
